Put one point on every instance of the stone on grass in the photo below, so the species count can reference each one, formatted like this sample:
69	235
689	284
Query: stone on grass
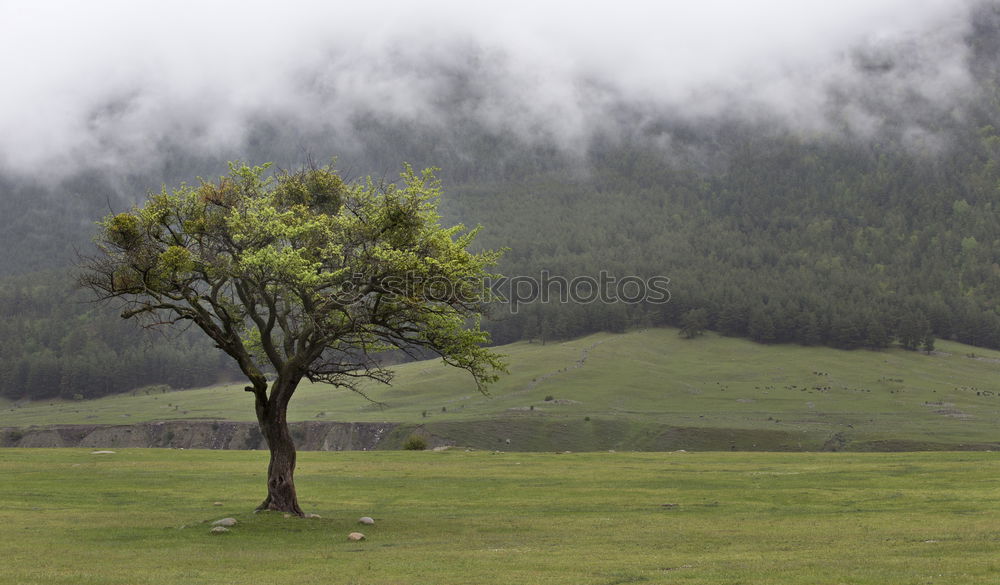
219	530
216	503
312	516
366	520
355	536
102	452
225	522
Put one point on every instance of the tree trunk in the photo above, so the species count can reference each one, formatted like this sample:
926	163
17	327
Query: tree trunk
281	469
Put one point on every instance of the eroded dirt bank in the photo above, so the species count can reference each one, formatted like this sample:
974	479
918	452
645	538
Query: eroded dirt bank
309	436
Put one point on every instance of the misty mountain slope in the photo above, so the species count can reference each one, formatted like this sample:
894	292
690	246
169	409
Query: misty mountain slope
793	241
816	243
834	183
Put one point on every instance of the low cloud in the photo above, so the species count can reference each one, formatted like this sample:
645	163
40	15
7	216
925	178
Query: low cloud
110	84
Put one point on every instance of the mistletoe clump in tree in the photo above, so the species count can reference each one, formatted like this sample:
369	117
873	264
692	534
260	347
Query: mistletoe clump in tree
301	275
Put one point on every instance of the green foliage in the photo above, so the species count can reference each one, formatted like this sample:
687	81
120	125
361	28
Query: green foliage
927	343
415	443
694	323
123	230
302	274
914	330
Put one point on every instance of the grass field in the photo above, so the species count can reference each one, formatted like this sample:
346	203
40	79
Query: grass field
631	387
142	517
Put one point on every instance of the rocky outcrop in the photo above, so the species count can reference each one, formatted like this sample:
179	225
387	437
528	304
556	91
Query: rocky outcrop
309	436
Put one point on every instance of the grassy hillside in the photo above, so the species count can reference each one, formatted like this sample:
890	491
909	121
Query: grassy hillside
642	390
143	516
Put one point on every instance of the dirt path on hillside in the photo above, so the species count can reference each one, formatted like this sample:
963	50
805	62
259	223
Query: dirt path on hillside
579	363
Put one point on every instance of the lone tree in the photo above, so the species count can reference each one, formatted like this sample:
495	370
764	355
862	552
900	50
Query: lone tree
301	275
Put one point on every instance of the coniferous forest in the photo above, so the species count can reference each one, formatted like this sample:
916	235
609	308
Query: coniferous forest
766	230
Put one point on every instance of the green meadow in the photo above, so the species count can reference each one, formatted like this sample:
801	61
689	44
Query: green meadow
647	390
143	516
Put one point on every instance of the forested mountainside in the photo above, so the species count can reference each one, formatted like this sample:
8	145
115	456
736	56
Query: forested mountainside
57	342
792	241
766	230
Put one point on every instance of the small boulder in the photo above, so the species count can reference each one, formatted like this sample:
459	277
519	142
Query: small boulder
219	530
225	522
355	536
366	520
312	516
216	503
102	452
